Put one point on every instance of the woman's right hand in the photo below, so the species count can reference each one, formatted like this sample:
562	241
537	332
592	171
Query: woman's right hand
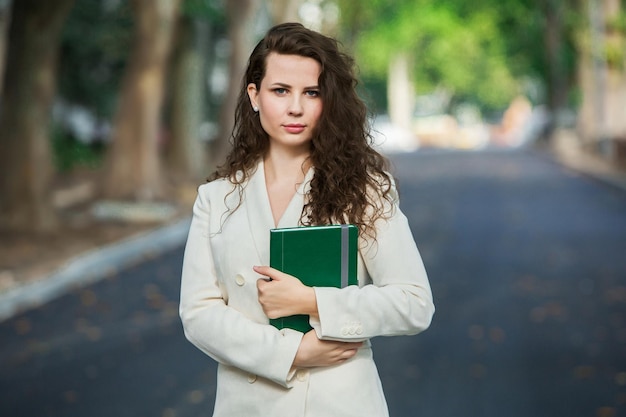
315	352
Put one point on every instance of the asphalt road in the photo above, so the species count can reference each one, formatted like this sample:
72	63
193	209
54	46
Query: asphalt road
528	269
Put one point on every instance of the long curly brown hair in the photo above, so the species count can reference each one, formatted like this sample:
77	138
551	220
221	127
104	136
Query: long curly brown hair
351	182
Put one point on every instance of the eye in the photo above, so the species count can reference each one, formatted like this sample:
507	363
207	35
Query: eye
312	93
280	91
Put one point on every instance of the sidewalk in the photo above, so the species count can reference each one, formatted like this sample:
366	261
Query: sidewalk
564	150
93	265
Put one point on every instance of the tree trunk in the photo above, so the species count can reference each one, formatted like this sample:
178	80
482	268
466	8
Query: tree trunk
133	160
284	11
616	81
400	92
602	124
557	72
592	74
5	19
240	23
185	153
29	86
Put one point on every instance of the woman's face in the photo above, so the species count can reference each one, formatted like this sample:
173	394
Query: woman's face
288	100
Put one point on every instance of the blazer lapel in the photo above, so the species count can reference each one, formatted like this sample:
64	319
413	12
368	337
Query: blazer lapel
259	213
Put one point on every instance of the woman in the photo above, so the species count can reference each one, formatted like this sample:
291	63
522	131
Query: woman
300	156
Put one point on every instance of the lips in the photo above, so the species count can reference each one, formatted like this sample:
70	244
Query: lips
294	128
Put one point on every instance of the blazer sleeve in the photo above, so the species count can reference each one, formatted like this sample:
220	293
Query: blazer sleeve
399	300
218	330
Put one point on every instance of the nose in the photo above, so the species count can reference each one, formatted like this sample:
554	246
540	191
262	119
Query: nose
295	106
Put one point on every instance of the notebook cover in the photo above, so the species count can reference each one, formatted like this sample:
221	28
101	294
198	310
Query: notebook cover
314	255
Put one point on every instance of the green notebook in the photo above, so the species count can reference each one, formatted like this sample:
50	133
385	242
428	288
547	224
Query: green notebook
320	256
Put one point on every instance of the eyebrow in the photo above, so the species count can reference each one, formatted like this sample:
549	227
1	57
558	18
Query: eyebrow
279	84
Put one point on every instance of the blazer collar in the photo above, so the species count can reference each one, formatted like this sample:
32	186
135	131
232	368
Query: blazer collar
259	211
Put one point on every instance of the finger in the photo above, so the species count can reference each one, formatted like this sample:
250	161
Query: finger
262	281
263	269
349	353
268	272
352	345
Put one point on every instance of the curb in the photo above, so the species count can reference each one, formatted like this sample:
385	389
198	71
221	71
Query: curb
93	266
565	149
593	169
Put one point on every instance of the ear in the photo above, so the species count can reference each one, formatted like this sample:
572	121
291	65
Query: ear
252	94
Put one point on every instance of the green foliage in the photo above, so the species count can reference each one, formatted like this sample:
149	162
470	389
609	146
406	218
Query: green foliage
211	10
69	153
95	46
373	92
618	23
463	55
615	47
614	55
479	50
94	50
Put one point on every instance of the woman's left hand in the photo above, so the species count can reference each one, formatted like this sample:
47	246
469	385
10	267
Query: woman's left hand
284	295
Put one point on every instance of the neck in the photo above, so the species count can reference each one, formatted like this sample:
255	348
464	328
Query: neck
286	167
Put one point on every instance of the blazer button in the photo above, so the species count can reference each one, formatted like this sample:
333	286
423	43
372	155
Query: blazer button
359	329
251	378
240	280
344	331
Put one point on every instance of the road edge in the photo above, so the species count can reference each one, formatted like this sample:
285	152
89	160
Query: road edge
92	266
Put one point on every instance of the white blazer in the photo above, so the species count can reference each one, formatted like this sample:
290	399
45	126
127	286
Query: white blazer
221	314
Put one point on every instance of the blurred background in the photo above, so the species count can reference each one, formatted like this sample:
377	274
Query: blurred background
130	97
112	112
